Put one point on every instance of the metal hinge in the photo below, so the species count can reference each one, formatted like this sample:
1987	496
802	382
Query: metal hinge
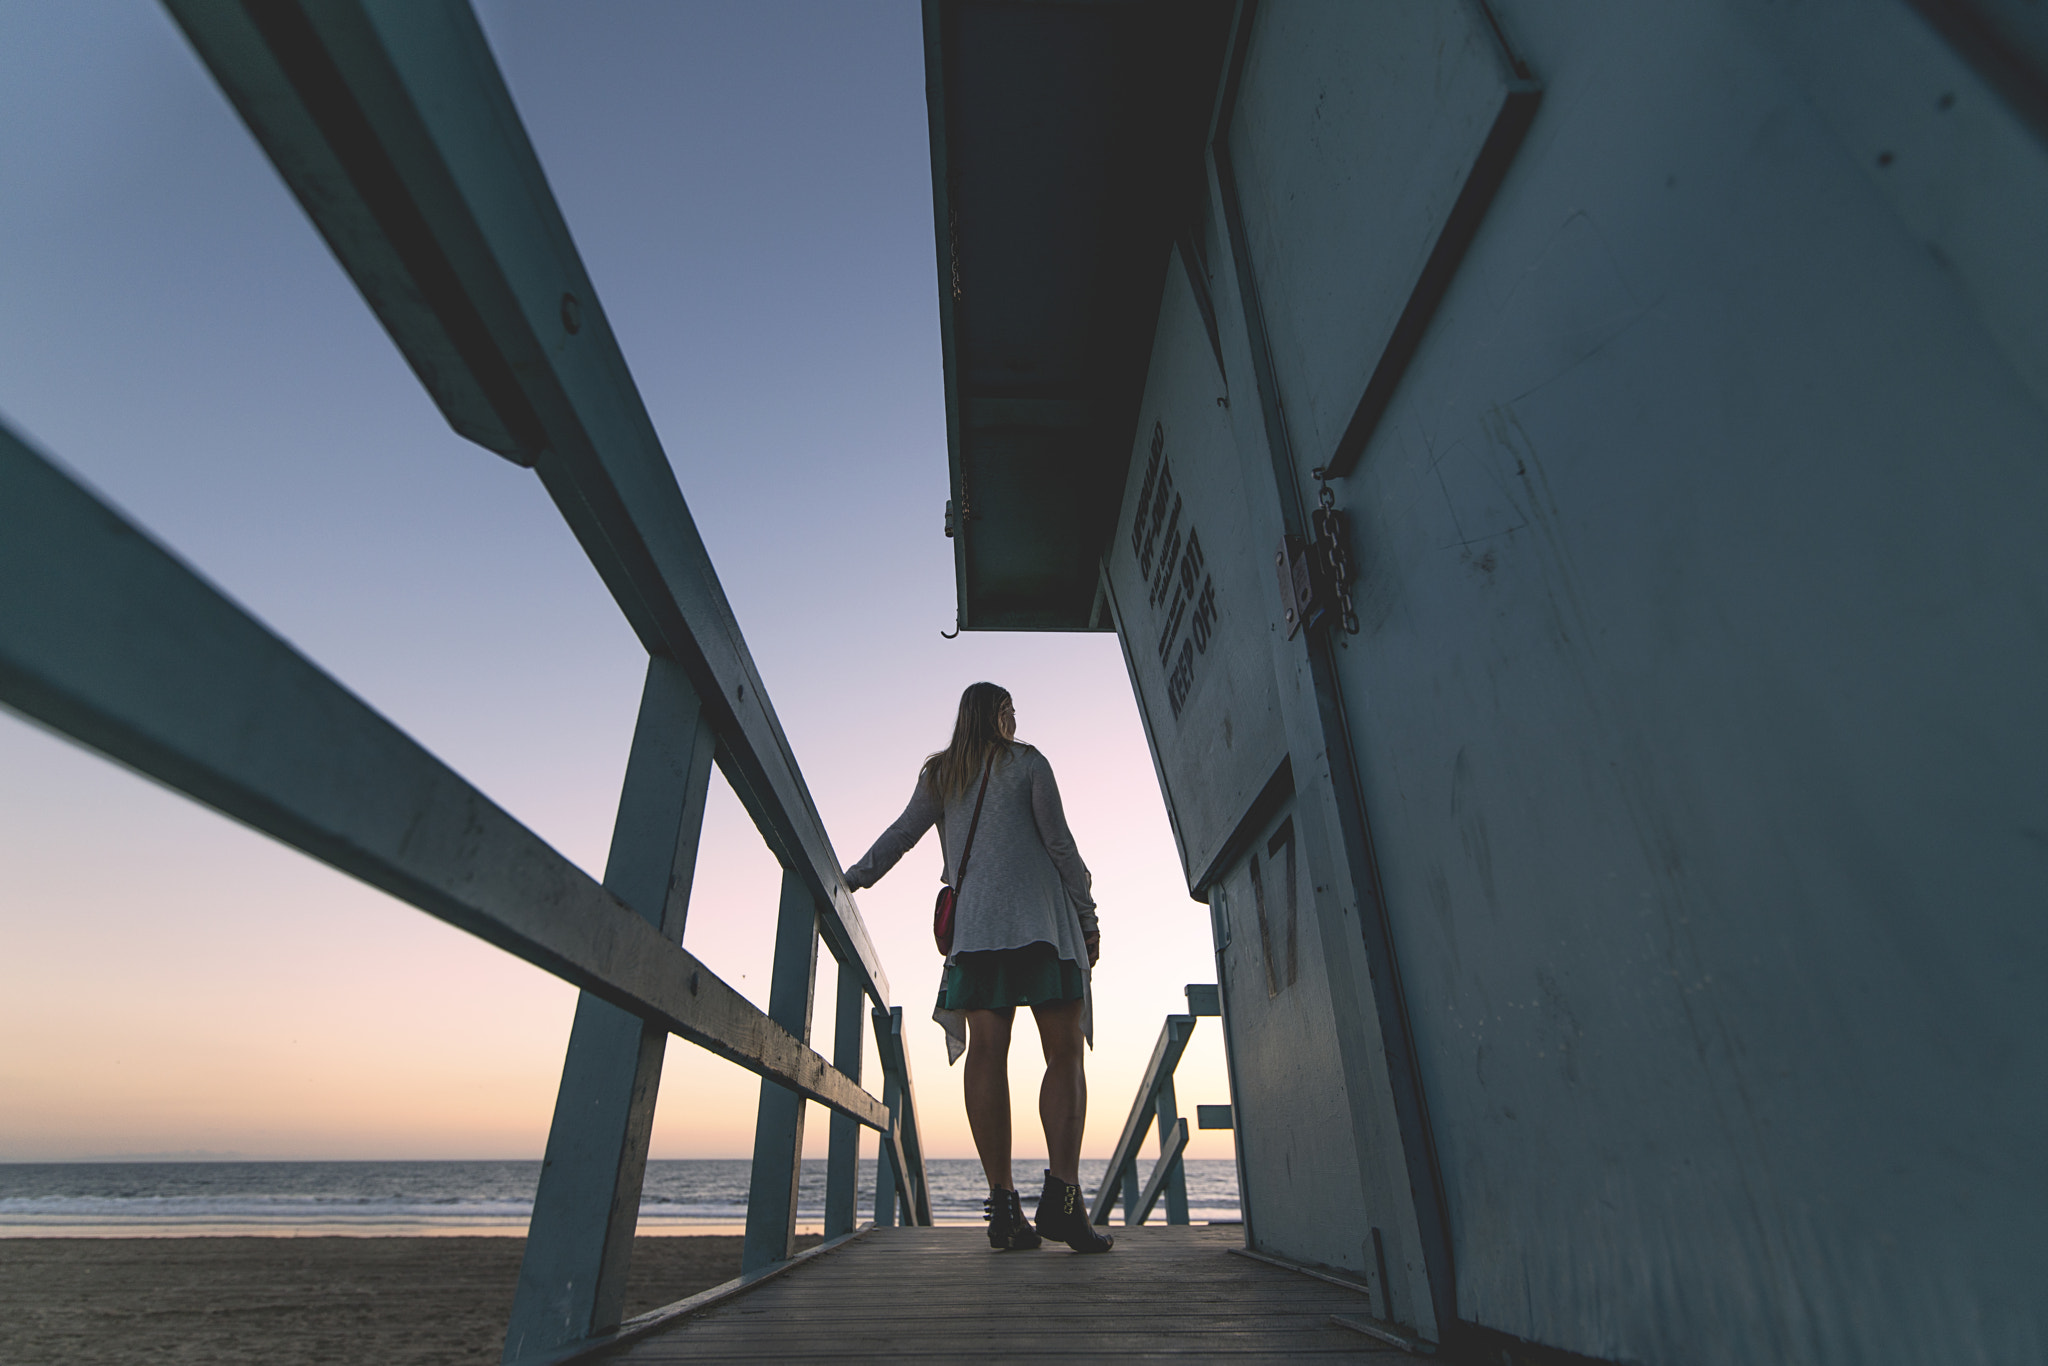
1315	575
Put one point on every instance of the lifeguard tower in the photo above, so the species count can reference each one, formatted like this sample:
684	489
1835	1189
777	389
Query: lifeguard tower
1568	480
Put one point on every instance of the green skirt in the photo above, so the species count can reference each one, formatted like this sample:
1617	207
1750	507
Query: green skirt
1031	976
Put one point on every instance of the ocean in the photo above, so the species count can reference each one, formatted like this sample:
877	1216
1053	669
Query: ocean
156	1199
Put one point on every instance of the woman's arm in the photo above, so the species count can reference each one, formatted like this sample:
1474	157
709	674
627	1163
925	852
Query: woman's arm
896	841
1059	842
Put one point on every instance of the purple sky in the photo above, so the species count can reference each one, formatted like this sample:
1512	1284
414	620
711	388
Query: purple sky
750	188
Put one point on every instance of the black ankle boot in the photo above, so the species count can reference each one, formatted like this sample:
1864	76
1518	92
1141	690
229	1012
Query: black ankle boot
1008	1229
1063	1214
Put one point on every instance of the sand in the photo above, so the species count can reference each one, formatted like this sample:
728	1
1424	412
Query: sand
335	1301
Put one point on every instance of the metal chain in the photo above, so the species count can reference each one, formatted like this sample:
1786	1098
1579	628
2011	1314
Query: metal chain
1332	548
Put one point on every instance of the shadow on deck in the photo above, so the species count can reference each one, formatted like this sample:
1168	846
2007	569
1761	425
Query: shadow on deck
939	1294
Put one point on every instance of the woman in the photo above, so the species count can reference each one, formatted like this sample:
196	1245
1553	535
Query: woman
1024	935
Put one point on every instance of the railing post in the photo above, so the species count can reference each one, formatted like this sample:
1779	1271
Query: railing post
842	1165
779	1123
901	1098
1128	1177
1176	1174
888	1173
902	1188
572	1278
892	1185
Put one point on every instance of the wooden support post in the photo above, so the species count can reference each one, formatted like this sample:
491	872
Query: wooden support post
842	1165
910	1174
1176	1180
889	1166
1127	1178
779	1123
885	1171
572	1279
903	1204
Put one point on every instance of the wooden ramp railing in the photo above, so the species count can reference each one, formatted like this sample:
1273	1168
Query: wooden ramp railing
1155	1102
390	121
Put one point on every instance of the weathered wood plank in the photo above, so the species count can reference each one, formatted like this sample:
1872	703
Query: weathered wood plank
1165	1293
392	125
1168	1308
1118	1349
1138	1350
653	1321
106	637
771	1341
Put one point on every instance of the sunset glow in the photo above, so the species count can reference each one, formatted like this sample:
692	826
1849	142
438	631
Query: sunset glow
750	189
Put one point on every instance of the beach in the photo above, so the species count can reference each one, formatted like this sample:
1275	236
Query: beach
412	1301
173	1262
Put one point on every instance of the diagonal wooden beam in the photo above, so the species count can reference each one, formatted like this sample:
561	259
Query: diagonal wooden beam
391	123
1173	1041
1173	1142
107	638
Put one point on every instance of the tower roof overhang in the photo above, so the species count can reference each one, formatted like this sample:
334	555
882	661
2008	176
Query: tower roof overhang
1067	141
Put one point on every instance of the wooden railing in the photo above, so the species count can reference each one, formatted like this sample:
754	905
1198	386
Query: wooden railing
1155	1103
391	123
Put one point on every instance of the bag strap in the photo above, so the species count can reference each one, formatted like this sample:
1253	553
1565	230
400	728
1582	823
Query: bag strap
973	825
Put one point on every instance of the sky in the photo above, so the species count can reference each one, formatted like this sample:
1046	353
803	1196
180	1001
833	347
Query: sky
750	188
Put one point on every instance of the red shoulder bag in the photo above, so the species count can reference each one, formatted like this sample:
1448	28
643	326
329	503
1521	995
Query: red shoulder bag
942	910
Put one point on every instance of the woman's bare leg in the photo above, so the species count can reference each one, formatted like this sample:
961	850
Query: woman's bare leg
1063	1096
987	1081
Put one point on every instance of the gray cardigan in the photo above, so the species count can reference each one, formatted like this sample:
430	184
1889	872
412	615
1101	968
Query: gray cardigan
1025	881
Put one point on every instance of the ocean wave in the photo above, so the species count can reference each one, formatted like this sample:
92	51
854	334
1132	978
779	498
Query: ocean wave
282	1197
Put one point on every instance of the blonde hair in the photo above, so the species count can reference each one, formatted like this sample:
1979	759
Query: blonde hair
977	742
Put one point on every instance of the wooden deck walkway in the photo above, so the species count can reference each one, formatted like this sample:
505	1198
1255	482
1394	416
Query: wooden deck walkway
940	1294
